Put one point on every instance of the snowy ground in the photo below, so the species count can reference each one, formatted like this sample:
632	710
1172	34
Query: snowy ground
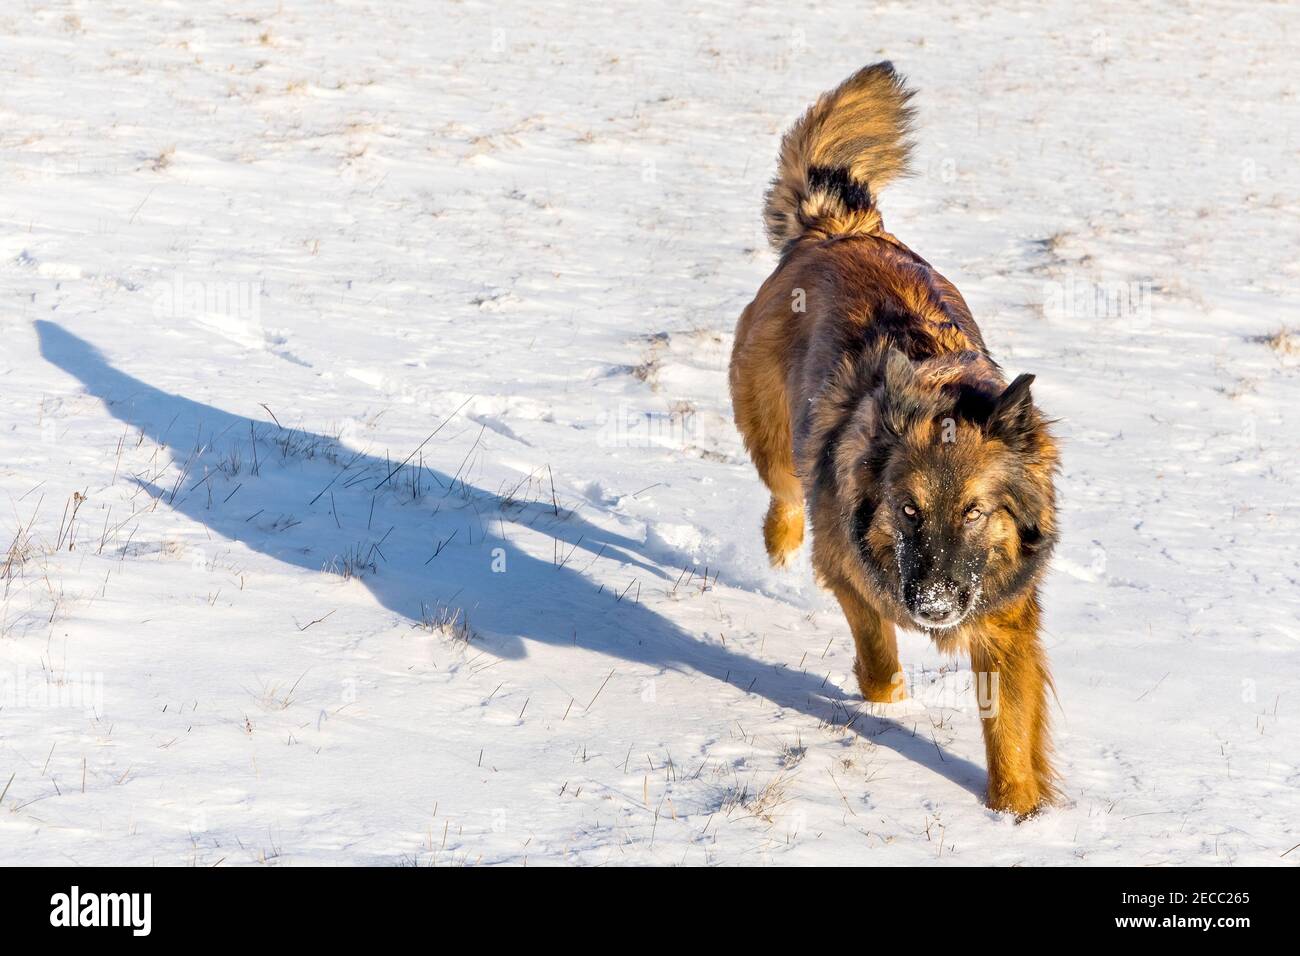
254	254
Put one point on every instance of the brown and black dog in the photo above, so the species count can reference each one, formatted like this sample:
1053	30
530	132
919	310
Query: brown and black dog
867	399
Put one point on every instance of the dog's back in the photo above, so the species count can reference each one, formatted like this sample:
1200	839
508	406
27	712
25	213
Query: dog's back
845	287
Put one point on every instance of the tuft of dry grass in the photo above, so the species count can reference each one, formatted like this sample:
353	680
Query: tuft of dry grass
163	159
1285	341
276	696
450	622
22	549
762	803
356	562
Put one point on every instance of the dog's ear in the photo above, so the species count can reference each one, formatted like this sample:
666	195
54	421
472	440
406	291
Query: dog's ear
902	401
1015	421
1013	418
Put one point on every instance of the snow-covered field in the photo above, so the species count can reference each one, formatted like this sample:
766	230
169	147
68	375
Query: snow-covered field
368	463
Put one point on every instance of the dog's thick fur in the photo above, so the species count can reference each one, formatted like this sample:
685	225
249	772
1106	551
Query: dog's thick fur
868	401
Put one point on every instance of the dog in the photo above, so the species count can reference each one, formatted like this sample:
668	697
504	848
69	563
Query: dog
869	404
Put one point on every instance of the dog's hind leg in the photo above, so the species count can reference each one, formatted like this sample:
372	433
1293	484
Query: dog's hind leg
763	417
876	667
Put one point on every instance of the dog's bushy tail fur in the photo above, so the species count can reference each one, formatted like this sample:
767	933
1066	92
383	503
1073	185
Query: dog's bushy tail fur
840	153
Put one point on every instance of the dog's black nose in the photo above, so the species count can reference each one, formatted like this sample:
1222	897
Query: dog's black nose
936	611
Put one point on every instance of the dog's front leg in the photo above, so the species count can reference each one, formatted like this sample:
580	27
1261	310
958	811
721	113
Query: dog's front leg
879	675
1012	682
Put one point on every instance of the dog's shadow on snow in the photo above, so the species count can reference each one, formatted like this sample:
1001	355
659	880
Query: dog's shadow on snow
427	545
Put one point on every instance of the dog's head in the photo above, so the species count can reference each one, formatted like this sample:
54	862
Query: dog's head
950	481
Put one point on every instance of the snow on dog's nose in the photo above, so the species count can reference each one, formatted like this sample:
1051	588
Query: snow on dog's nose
941	605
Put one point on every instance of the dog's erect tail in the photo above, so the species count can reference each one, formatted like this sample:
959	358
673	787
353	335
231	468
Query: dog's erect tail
840	153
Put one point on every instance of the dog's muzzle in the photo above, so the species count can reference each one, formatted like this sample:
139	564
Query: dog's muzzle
940	605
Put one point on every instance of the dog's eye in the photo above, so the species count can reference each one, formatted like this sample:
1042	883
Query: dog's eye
973	515
910	510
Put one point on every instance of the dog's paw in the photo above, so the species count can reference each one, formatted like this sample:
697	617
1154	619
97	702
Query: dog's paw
782	532
884	693
781	559
1023	802
892	691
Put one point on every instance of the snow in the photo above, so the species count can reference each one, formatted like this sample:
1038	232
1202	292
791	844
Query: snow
254	256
